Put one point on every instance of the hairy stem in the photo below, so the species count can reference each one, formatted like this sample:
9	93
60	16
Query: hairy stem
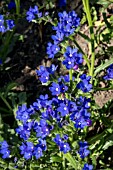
91	44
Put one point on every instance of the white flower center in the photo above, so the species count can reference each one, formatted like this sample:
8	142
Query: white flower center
70	55
65	108
56	89
69	62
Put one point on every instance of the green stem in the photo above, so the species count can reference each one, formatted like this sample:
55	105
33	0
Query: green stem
70	76
71	160
5	101
6	111
102	89
63	163
91	44
17	2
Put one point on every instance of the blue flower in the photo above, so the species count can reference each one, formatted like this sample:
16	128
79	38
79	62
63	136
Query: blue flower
84	84
72	106
69	63
72	58
22	113
37	105
63	109
55	89
83	151
70	53
109	75
2	27
87	167
11	5
24	130
52	49
27	150
64	147
74	18
80	123
58	37
83	102
44	72
81	116
58	139
41	128
32	12
30	16
52	69
37	152
41	70
63	88
10	24
42	144
4	150
44	77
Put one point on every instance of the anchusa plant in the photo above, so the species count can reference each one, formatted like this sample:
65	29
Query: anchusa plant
52	131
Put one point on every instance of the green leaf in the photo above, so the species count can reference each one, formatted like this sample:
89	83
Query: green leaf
56	159
105	3
71	160
107	145
105	121
96	138
84	36
22	98
106	21
110	48
103	66
9	87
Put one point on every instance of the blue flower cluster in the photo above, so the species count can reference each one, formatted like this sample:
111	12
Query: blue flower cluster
72	58
63	146
28	149
85	84
9	24
54	111
83	151
41	129
45	114
32	13
67	23
109	75
4	149
23	113
44	73
80	115
87	167
66	26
